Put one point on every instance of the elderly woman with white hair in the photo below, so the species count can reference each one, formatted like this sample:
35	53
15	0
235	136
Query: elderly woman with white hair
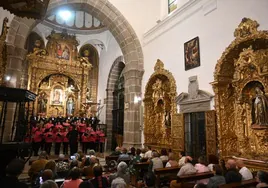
118	183
122	172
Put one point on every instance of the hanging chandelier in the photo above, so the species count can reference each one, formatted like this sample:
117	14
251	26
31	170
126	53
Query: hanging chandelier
35	9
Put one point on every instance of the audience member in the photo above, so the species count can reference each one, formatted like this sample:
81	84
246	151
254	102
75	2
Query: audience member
148	154
232	175
121	172
217	179
155	162
164	155
37	166
62	167
118	183
52	166
143	151
49	184
88	168
132	152
47	175
262	179
182	158
124	156
212	159
171	161
201	167
117	152
99	180
86	184
186	169
75	180
92	153
74	163
13	170
243	170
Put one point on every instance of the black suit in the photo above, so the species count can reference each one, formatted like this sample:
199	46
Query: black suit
73	136
232	176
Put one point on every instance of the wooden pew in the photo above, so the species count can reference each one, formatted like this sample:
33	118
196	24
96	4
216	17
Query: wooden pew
244	183
193	177
140	169
167	173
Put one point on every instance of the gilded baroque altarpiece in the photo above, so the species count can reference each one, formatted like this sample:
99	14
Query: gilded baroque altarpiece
58	75
163	127
241	100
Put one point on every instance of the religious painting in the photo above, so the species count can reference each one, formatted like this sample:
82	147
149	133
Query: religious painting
192	54
57	97
62	51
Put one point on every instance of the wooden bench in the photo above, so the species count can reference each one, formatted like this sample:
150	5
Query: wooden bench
193	177
244	183
140	169
167	173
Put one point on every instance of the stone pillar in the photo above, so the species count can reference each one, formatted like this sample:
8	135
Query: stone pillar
132	131
109	117
14	70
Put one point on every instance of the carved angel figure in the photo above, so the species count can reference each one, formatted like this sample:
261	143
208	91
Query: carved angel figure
259	108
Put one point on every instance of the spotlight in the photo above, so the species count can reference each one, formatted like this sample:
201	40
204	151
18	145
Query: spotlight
65	14
7	78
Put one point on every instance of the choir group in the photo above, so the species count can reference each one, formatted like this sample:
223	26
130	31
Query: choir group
65	131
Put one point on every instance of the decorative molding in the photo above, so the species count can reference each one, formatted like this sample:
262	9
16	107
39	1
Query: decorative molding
178	16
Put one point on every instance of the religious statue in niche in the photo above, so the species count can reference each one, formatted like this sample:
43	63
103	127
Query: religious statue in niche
167	119
70	106
260	109
42	102
158	91
57	96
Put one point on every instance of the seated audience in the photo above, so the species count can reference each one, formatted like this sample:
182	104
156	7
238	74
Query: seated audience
182	158
136	159
164	155
171	161
118	183
88	168
148	154
143	151
13	170
49	184
124	156
75	180
132	152
117	152
86	184
155	162
212	159
47	175
37	166
217	179
52	166
186	169
243	170
200	167
74	163
232	175
121	172
262	179
99	180
61	165
92	153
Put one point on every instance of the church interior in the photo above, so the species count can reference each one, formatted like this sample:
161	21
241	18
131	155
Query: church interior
185	79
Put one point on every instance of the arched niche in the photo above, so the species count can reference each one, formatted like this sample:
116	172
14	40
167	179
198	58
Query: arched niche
34	40
241	69
160	110
90	52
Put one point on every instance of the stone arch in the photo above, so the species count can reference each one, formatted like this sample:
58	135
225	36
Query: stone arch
115	71
126	37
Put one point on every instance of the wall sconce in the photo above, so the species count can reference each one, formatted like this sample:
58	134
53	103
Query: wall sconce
137	99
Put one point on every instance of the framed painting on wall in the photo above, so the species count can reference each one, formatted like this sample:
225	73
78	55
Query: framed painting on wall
192	53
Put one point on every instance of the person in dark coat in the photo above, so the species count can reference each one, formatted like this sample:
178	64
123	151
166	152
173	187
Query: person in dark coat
13	170
217	179
232	175
73	140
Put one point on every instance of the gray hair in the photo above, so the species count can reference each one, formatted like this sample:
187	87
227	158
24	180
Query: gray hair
122	167
118	183
49	184
61	157
91	152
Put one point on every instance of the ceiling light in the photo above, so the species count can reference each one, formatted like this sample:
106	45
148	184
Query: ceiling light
65	14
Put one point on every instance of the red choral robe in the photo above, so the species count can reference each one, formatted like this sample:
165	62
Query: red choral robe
85	137
49	137
92	136
58	137
65	138
48	126
82	127
38	136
